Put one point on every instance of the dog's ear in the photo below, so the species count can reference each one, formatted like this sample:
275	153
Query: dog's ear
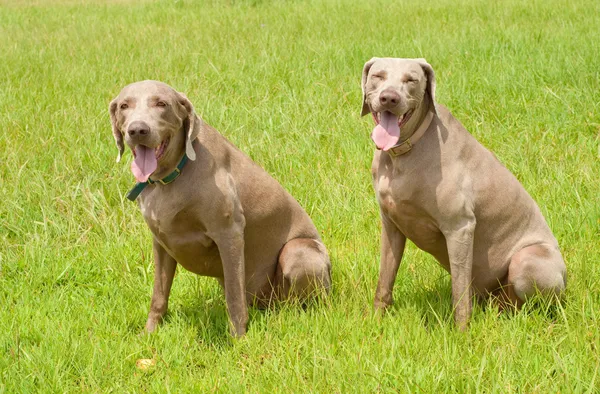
365	75
191	125
112	109
430	81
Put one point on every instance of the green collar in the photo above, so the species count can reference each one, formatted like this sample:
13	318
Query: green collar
137	189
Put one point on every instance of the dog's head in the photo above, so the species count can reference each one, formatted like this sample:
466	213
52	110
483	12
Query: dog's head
392	90
156	122
396	85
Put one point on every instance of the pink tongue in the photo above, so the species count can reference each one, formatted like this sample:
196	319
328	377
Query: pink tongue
144	163
387	132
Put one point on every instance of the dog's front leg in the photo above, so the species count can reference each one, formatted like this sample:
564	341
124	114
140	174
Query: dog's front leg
460	252
231	249
392	249
164	271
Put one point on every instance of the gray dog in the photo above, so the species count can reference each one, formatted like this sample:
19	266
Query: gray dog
212	209
437	186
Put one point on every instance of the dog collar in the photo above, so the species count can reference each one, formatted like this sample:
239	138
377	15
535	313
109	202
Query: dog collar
406	146
137	189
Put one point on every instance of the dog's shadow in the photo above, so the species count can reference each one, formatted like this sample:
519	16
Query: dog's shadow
434	304
207	316
205	310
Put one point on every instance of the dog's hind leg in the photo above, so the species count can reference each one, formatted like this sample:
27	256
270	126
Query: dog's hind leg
303	269
536	268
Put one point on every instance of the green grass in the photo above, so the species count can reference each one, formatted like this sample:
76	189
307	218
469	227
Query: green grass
281	80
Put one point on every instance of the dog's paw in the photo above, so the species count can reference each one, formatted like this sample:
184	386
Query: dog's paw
238	332
462	322
381	306
151	325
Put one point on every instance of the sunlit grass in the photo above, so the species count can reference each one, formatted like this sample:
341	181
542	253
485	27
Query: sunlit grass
281	80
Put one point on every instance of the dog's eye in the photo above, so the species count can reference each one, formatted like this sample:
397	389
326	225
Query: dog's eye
377	77
124	106
161	104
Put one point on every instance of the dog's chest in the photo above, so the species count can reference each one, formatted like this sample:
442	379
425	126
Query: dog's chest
401	201
396	195
179	229
170	220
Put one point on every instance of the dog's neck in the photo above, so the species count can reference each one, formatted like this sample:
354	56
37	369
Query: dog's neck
171	157
416	119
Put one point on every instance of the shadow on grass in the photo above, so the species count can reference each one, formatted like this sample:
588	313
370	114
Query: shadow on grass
547	308
209	319
434	305
207	314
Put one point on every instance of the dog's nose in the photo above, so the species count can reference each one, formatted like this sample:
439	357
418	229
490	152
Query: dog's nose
138	128
389	97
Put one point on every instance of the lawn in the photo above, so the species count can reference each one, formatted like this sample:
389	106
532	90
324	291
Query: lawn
281	80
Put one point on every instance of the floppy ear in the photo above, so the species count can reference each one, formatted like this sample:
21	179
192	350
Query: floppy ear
191	125
365	74
430	81
112	108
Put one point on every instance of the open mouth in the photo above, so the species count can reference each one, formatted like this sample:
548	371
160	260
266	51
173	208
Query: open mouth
161	148
146	160
158	151
387	128
401	121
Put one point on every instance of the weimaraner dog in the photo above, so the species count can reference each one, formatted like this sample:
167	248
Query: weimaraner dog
437	186
212	209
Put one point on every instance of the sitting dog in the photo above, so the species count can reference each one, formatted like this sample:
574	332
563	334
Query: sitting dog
212	209
437	186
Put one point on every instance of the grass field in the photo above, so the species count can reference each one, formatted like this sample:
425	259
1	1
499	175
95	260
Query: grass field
281	80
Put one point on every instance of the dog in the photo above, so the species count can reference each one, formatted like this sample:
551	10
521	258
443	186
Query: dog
211	209
439	187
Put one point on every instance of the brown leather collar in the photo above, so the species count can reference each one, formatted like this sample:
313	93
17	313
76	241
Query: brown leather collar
406	146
